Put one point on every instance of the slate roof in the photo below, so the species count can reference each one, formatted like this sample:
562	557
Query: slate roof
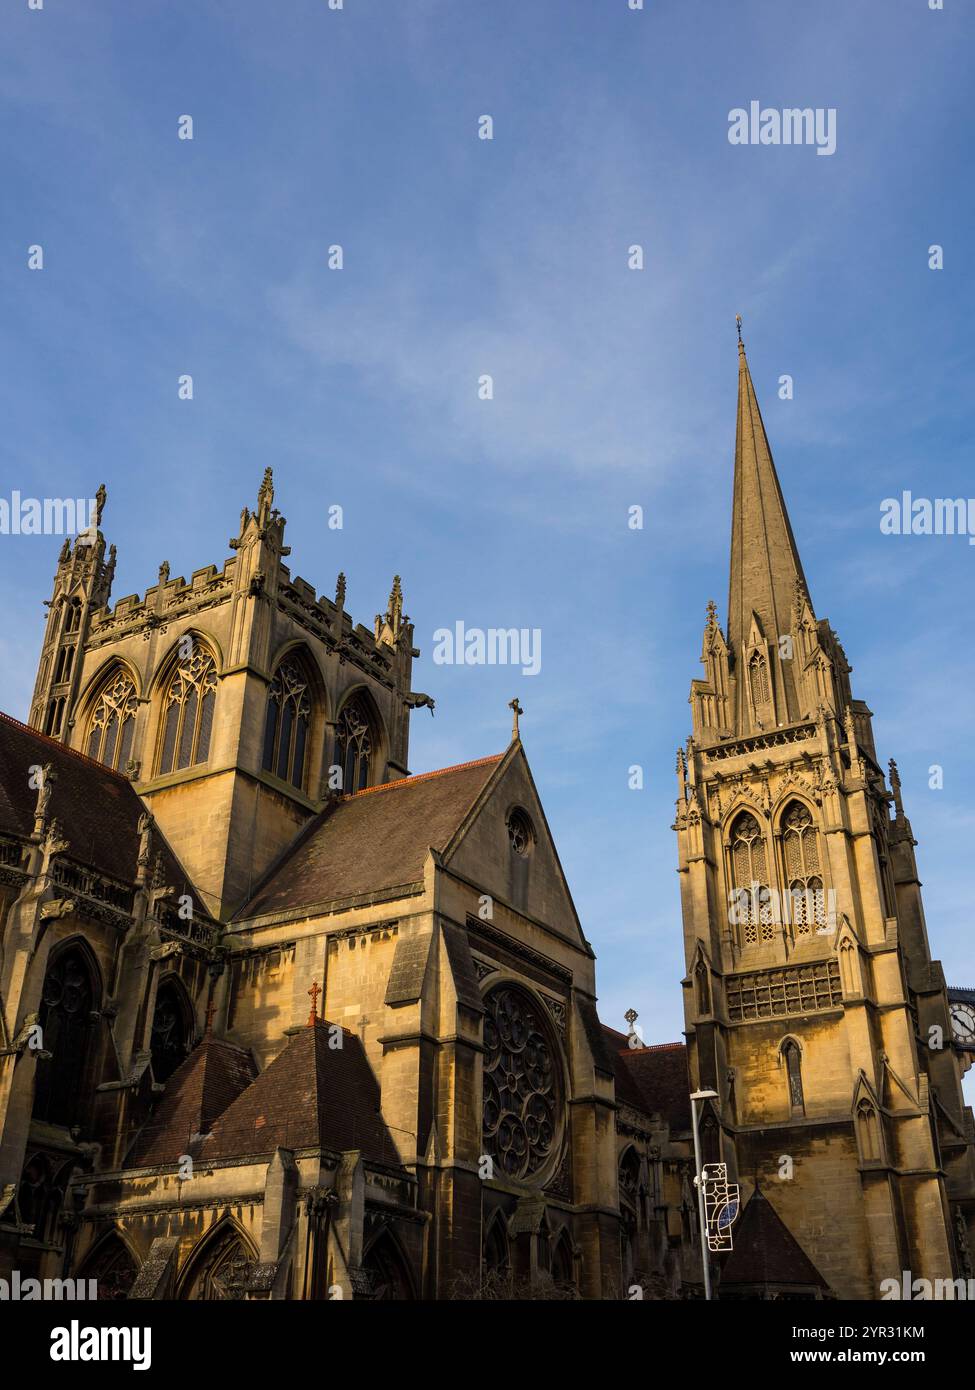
653	1079
198	1092
766	1254
98	809
313	1095
374	840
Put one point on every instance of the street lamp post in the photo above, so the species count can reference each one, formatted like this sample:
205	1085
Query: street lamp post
699	1184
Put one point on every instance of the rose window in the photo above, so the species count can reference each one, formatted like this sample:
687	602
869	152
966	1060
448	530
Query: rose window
521	1085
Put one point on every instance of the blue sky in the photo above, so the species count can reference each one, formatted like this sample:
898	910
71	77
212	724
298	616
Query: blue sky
612	387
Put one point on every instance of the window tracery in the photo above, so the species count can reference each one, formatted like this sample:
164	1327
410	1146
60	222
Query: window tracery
286	724
188	718
522	1091
800	847
750	868
113	723
354	743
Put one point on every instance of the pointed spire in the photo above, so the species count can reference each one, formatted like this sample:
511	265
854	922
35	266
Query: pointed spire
394	608
265	497
765	564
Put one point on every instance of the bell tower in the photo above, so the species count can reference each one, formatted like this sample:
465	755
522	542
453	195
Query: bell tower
812	1004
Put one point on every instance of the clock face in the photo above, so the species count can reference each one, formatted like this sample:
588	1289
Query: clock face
963	1022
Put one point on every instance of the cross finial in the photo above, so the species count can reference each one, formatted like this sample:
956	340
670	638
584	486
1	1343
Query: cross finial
712	612
738	322
211	1011
315	991
516	710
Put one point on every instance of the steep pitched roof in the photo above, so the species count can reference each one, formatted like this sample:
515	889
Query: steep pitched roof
374	840
313	1095
765	561
653	1079
98	809
766	1253
198	1092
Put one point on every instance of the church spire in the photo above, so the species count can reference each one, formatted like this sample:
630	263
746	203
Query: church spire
765	564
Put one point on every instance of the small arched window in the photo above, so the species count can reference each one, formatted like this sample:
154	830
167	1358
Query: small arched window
72	617
702	977
286	724
67	1002
792	1057
171	1030
750	867
758	679
868	1130
800	846
188	712
113	722
354	746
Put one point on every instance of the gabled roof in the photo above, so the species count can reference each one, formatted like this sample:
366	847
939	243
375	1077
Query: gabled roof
653	1079
374	840
314	1095
97	808
198	1092
766	1254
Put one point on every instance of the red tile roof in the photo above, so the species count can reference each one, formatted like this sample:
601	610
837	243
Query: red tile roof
98	809
313	1095
377	839
198	1092
653	1079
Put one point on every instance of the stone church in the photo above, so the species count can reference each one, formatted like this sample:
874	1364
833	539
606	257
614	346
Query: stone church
280	1020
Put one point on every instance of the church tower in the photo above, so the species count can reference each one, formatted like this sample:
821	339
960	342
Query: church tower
239	704
812	1005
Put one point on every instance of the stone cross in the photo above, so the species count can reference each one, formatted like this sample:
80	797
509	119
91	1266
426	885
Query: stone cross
516	709
315	991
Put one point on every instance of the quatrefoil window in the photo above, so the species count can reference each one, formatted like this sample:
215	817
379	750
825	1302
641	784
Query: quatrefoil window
521	832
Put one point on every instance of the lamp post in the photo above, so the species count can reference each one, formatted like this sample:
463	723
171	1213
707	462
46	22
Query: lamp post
699	1184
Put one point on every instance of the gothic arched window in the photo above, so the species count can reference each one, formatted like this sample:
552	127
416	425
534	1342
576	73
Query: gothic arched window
113	722
793	1065
67	1002
702	979
750	868
800	846
758	679
354	747
171	1030
220	1268
868	1130
522	1117
72	617
286	724
188	717
113	1268
496	1257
